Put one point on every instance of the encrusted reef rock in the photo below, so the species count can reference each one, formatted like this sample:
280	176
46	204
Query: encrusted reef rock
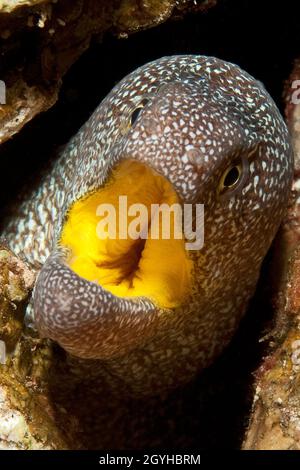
25	418
15	282
275	418
24	422
41	39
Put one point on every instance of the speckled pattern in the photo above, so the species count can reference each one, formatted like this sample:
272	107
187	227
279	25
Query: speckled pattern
202	115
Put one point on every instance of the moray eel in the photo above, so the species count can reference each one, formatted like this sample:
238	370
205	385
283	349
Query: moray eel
181	129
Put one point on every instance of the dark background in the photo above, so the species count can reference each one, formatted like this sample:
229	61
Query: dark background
263	37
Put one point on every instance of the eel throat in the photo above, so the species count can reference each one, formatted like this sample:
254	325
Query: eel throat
125	237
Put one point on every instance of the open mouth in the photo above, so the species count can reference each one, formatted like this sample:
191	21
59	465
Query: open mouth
151	265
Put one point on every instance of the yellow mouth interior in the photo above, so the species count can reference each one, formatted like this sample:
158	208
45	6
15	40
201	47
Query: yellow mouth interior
158	269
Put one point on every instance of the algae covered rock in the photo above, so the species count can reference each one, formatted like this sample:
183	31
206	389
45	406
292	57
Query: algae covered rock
16	280
41	39
275	418
25	417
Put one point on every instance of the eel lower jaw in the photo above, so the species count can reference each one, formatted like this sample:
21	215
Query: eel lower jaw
85	319
101	296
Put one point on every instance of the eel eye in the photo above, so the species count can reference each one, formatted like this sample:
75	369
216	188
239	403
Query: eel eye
136	112
233	178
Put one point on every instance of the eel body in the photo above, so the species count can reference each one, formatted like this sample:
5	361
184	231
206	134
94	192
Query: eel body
190	129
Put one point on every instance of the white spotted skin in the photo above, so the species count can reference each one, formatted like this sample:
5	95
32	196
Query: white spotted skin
202	114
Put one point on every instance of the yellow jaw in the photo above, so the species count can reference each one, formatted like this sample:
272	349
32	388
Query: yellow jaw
158	269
